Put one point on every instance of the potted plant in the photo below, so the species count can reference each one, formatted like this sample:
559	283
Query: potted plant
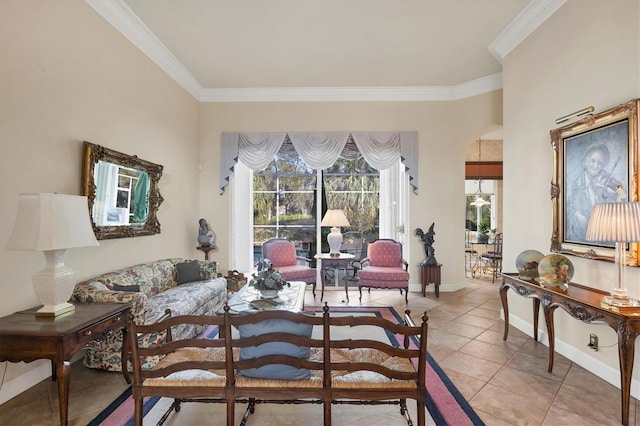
483	231
492	234
268	281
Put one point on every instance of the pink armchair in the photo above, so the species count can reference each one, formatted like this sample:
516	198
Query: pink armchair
384	267
281	255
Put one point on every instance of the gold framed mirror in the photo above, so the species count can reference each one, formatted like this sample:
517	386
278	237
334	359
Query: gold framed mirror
122	191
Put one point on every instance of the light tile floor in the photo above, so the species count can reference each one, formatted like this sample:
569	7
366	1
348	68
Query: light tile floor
506	382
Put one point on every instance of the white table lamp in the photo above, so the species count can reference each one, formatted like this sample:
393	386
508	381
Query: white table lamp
620	223
52	223
335	219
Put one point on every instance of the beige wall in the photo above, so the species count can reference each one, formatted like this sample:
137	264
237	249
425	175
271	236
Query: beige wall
587	53
66	76
445	129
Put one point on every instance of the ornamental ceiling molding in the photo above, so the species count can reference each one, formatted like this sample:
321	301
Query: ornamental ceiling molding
118	14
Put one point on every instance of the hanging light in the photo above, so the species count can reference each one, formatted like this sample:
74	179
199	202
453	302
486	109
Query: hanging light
479	201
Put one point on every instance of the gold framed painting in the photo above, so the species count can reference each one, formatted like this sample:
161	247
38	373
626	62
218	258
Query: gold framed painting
593	158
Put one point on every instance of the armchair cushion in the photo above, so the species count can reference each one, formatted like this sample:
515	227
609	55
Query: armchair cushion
377	273
280	253
385	253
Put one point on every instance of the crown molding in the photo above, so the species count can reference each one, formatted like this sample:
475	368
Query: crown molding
354	94
118	14
526	22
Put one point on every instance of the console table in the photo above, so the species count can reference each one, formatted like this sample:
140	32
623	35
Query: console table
582	303
25	337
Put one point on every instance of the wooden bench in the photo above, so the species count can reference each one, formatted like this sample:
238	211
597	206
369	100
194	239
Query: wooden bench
317	370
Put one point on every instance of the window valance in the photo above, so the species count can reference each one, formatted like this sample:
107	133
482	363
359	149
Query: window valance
319	150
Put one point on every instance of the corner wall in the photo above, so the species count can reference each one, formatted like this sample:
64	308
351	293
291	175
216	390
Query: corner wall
587	53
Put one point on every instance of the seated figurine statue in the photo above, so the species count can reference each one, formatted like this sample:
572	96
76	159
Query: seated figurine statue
206	236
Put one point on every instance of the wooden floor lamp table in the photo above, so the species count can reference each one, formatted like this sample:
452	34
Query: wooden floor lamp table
25	337
584	304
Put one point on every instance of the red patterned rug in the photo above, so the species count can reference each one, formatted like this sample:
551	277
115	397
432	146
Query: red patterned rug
445	403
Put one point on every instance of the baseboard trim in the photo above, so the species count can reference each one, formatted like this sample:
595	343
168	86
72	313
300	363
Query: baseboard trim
22	382
594	365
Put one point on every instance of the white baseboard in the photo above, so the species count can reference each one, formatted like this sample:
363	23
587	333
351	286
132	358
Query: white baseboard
589	363
451	287
21	383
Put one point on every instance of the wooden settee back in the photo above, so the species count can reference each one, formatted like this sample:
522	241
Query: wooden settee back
361	370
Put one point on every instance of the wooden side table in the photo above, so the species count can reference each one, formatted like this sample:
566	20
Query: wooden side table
431	274
335	263
25	337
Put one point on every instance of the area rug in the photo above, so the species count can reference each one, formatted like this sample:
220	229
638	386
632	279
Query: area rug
445	403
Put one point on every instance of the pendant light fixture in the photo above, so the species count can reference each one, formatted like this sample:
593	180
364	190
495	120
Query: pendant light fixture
479	201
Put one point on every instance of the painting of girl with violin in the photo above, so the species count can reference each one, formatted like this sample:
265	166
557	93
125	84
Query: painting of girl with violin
596	164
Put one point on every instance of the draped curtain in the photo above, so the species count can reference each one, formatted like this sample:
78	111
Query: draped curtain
319	150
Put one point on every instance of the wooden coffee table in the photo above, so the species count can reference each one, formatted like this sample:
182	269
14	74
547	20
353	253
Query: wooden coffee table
248	299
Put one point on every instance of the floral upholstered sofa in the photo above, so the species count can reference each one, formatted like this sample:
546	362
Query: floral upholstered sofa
186	287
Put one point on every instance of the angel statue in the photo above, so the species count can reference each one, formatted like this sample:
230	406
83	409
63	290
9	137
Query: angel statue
427	240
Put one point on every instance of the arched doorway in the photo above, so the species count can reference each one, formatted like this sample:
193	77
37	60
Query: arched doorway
483	193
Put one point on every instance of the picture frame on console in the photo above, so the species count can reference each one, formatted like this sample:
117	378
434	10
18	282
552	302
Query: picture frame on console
593	158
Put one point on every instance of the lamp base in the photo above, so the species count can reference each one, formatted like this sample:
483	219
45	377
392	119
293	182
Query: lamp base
54	285
335	241
52	311
627	302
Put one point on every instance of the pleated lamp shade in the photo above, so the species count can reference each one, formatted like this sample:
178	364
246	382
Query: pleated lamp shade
615	222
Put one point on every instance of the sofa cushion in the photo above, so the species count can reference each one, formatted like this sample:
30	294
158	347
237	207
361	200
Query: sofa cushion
188	272
118	287
275	371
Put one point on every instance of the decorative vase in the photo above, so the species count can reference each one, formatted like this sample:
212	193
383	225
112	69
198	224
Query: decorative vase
269	293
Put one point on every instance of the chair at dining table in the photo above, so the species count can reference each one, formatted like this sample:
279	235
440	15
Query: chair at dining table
492	259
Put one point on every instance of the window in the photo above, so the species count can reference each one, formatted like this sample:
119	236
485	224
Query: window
354	186
284	203
283	192
285	200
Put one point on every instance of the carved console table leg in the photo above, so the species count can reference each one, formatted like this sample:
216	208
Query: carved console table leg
536	314
505	308
627	334
548	317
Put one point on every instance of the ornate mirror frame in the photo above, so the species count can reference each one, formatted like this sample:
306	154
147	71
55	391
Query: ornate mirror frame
616	130
91	155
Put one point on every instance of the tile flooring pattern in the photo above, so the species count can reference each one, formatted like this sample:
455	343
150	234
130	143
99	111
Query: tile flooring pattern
506	382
